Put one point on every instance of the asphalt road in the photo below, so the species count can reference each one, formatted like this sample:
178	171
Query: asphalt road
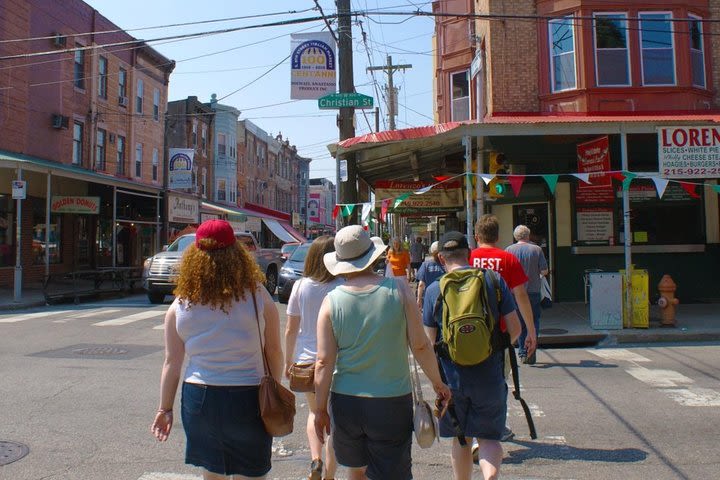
80	387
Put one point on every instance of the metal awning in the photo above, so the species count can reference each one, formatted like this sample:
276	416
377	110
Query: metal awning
422	152
298	236
278	230
236	214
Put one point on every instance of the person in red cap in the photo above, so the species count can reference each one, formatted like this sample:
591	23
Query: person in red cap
219	311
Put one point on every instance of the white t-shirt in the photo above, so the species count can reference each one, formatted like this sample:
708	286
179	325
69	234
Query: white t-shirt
222	348
305	300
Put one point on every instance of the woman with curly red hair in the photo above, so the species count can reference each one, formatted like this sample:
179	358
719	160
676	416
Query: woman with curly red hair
219	311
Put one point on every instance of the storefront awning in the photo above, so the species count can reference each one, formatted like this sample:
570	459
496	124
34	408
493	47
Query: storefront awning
234	214
298	236
278	230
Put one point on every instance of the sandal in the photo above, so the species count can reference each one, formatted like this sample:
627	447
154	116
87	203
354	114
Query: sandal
316	468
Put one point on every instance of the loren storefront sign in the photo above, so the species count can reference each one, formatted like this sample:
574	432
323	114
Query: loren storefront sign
689	152
445	197
183	210
73	204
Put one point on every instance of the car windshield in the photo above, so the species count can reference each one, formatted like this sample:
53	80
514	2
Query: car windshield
181	243
288	248
300	253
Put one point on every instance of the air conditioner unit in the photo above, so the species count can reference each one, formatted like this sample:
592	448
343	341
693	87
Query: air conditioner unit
60	121
59	40
123	101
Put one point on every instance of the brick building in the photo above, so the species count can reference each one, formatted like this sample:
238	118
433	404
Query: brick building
83	126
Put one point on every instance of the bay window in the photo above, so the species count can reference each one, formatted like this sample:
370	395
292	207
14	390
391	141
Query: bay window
460	96
657	49
562	54
612	60
697	51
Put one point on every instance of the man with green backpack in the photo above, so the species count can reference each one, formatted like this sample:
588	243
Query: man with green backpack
461	315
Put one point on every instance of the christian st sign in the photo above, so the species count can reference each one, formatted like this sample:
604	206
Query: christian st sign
344	100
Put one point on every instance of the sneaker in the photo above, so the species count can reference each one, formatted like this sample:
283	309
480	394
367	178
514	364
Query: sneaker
475	453
316	468
529	360
507	435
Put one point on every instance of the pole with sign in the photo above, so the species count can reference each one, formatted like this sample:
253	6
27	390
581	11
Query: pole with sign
19	188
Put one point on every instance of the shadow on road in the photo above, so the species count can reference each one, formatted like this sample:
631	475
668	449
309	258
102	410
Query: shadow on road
580	364
552	451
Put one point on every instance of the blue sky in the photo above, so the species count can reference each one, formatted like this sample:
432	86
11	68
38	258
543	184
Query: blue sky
267	101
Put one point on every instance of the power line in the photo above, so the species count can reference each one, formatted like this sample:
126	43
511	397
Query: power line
256	79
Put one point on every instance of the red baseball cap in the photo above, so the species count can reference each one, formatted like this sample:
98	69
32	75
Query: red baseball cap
214	235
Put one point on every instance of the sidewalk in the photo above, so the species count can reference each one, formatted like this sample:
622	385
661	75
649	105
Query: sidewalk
562	325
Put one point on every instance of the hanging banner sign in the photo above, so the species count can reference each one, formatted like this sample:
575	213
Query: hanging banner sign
445	197
180	168
74	204
689	152
593	157
313	207
183	210
312	65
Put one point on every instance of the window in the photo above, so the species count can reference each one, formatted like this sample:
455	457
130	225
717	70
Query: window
77	153
41	247
194	177
204	182
7	231
100	150
102	77
221	189
156	104
194	133
138	159
139	98
460	95
122	86
120	155
79	68
203	142
612	61
233	191
562	54
222	147
155	165
656	39
697	51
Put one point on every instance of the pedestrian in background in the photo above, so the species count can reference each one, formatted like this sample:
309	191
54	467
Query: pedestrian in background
364	329
219	310
479	392
417	256
533	260
398	260
429	271
301	340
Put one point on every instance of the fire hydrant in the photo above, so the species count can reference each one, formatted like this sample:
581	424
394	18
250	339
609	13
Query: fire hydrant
667	301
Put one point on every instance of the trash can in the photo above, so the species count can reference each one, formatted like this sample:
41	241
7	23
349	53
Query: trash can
605	300
640	298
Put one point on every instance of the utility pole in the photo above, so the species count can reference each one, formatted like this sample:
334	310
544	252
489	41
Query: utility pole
347	190
390	69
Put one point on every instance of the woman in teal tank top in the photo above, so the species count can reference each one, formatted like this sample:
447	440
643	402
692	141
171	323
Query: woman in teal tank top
365	328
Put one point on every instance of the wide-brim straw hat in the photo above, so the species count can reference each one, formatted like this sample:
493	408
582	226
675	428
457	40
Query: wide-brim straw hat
354	251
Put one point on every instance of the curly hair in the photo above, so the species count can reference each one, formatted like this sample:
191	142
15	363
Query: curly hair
217	277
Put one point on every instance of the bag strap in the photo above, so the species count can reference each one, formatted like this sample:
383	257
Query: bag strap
516	391
262	348
415	380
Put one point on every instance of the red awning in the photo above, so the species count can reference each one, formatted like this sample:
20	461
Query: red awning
292	231
397	135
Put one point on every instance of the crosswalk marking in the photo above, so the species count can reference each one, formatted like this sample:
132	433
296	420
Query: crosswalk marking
30	316
129	318
167	476
659	378
95	312
619	354
694	397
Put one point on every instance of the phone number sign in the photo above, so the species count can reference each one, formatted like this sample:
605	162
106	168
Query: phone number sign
445	197
689	152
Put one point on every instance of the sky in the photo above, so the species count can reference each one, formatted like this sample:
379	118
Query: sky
229	62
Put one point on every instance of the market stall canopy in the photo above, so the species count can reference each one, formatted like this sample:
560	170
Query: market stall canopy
421	152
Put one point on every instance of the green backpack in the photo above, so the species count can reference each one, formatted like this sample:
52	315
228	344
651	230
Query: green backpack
469	329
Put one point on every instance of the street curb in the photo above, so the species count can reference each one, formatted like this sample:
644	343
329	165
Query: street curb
22	306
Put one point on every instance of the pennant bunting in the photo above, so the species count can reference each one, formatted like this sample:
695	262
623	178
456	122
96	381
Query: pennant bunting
347	210
424	190
660	185
690	189
366	208
385	204
716	188
551	180
400	199
335	212
441	178
487	178
585	177
516	182
629	176
617	176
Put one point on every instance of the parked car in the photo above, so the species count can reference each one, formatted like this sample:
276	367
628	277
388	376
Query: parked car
292	271
287	249
160	271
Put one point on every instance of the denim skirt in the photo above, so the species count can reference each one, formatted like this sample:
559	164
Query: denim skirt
224	432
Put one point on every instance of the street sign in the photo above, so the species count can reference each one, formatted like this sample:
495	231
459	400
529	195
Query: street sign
344	100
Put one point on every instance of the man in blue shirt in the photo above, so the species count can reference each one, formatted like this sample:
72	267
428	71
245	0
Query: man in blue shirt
479	392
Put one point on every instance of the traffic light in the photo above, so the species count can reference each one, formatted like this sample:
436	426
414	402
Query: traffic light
498	166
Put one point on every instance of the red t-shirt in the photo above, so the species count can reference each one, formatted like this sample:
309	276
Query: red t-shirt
504	263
